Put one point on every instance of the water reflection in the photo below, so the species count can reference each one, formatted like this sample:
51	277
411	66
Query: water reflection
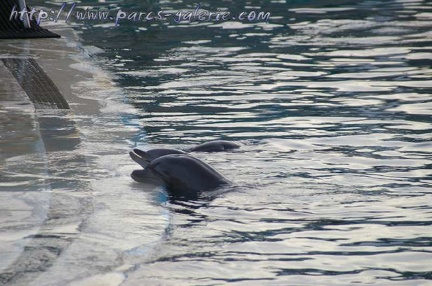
335	169
38	158
332	104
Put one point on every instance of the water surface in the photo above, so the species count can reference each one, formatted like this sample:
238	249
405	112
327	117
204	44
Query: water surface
331	104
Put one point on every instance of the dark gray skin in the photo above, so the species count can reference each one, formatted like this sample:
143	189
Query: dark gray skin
145	157
215	146
184	175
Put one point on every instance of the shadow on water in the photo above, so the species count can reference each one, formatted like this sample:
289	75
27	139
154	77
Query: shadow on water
61	168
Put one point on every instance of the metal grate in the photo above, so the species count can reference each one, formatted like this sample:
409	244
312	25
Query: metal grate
35	82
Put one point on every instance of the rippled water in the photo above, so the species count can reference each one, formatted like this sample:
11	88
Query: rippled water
332	104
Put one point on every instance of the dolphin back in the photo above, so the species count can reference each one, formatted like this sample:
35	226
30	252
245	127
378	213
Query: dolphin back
215	146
